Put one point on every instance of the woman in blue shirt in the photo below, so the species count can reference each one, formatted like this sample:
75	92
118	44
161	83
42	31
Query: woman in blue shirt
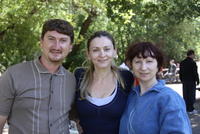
102	87
152	107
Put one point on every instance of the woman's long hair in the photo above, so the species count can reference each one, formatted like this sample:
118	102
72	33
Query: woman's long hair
88	75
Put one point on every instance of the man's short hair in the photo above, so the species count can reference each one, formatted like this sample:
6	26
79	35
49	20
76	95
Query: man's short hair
61	26
190	52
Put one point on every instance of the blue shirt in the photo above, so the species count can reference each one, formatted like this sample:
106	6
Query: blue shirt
158	111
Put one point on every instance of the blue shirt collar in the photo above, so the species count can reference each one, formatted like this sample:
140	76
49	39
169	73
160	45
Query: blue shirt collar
156	87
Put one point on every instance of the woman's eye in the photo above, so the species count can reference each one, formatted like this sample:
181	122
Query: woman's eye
149	61
137	62
51	38
94	50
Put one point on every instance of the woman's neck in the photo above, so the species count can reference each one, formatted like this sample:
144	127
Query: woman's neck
103	83
102	74
145	86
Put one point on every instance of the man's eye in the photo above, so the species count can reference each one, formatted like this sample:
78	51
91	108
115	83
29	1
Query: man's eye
107	49
63	40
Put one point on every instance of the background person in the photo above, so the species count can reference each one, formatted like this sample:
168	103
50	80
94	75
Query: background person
35	96
152	107
102	87
171	73
189	77
124	66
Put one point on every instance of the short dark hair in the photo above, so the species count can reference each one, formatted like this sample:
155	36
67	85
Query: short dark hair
61	26
190	52
100	34
144	49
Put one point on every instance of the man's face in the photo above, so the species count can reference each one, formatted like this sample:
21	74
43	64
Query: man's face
193	56
55	46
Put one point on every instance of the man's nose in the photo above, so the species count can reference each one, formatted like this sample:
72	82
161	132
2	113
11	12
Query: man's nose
57	44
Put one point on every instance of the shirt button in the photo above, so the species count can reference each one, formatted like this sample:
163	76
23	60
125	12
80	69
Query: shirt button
50	108
50	125
51	91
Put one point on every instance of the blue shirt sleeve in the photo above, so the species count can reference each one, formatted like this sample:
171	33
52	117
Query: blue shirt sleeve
173	115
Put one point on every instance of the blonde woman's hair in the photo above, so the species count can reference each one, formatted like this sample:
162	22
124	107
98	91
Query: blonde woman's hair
88	75
88	79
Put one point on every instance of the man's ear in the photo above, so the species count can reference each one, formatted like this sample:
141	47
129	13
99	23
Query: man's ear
71	47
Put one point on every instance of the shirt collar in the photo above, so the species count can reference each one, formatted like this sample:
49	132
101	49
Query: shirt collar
42	69
157	87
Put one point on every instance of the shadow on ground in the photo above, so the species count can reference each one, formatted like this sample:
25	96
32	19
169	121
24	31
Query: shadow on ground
195	119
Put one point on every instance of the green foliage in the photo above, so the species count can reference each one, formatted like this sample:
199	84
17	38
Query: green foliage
167	23
172	24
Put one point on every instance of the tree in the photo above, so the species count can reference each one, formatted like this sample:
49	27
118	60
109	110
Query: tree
163	22
171	24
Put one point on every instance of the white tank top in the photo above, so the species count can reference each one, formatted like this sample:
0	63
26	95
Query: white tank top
102	101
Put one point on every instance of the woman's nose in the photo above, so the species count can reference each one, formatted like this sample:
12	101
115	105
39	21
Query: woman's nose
102	53
143	66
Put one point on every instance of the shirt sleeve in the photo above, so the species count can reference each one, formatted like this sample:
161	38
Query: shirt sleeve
173	117
6	93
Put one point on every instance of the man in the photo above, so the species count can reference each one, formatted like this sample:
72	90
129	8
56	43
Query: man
36	96
189	77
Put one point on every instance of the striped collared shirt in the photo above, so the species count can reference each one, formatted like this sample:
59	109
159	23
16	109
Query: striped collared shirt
36	101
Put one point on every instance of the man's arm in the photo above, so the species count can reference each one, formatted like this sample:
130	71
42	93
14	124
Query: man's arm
181	72
196	74
2	122
6	97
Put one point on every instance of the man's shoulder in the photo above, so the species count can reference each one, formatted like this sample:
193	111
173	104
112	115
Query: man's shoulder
184	60
187	61
17	70
67	72
20	66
